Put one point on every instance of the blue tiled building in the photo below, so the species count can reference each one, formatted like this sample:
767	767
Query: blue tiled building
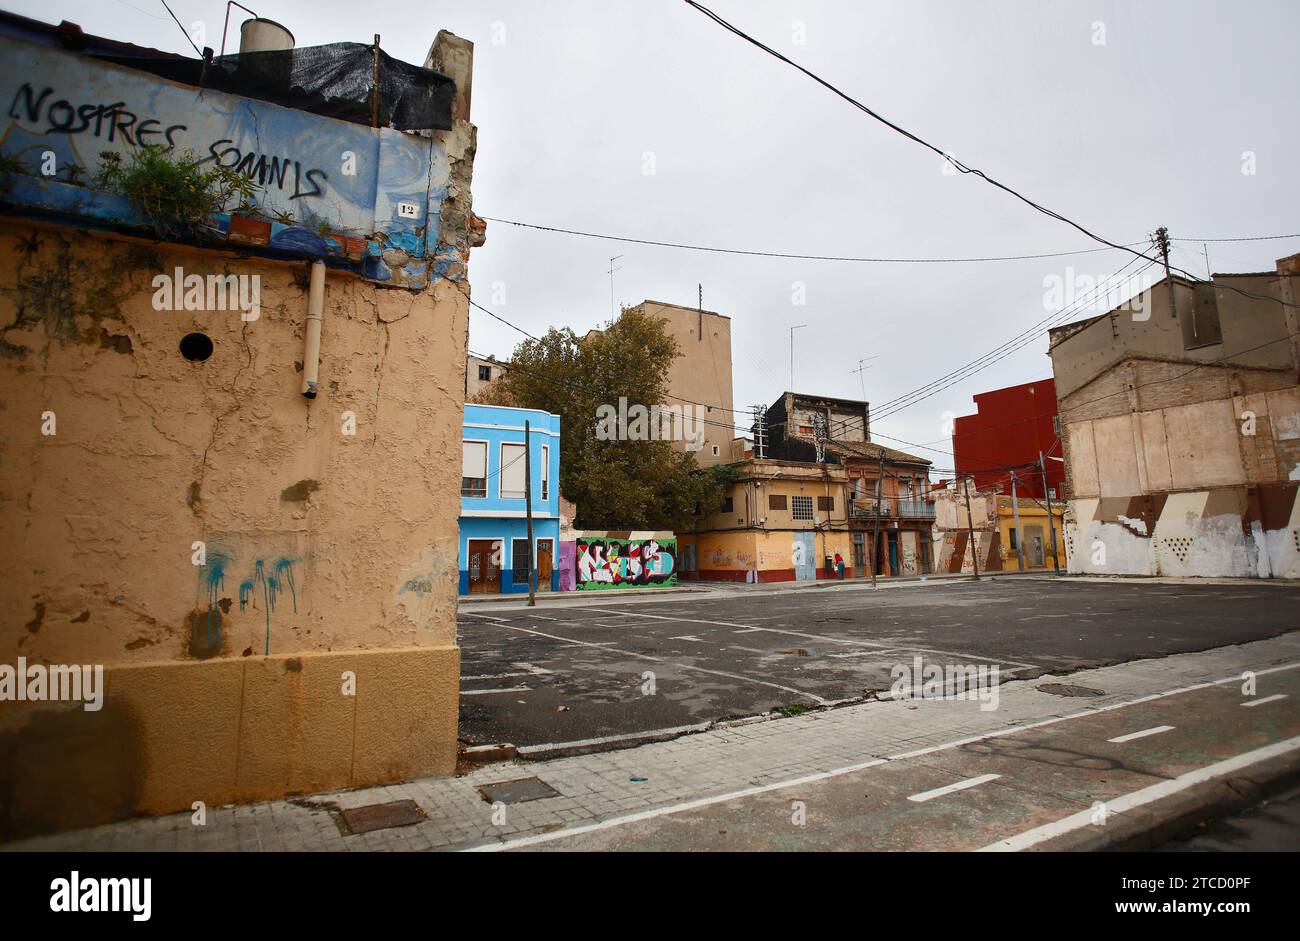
493	519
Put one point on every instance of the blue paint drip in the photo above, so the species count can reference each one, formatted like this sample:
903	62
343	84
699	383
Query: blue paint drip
215	577
284	573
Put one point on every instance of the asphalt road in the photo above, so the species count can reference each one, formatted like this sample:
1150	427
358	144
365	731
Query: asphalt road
563	674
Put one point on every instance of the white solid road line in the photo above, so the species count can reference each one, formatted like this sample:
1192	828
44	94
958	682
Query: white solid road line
1121	739
1146	795
953	788
1260	702
667	809
488	692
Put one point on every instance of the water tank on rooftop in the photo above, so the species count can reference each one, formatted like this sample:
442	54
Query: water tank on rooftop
269	74
259	35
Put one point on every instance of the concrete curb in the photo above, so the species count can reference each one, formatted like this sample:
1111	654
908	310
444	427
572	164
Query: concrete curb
1167	819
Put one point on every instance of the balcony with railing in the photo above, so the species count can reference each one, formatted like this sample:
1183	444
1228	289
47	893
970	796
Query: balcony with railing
891	508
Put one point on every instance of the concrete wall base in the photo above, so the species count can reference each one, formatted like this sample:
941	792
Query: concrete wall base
227	731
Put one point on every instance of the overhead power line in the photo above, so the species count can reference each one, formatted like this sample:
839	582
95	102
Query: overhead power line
1244	238
999	352
182	29
801	257
957	164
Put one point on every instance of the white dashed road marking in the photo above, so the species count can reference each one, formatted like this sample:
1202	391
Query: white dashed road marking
953	788
1260	702
1121	739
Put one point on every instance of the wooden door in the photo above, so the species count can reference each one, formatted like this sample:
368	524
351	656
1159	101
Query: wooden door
545	564
484	573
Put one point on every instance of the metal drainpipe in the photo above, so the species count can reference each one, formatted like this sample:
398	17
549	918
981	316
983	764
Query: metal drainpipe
315	316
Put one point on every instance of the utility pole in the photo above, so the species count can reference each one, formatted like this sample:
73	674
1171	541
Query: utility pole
792	330
528	507
970	528
1020	538
875	524
1162	242
1051	520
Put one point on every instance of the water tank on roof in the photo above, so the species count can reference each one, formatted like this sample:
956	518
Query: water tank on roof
259	35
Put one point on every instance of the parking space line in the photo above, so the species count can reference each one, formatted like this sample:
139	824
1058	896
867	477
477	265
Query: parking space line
1260	702
953	788
1131	736
493	676
660	617
608	645
488	692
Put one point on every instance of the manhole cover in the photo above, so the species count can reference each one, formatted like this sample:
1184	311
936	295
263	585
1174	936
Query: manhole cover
1065	689
381	816
516	792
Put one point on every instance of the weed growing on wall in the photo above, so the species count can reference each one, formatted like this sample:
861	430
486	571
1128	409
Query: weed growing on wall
173	192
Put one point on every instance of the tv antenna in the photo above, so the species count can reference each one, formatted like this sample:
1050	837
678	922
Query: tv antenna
861	371
612	269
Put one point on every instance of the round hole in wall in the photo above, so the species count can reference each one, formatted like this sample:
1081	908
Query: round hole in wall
196	347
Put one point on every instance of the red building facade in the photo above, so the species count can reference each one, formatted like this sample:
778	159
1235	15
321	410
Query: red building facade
1010	427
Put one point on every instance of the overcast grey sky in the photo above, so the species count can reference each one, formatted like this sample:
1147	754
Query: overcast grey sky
574	101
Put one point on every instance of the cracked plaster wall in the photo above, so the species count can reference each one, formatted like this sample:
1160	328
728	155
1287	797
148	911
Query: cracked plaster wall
354	535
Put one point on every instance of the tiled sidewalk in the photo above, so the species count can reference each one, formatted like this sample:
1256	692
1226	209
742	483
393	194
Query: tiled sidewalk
709	764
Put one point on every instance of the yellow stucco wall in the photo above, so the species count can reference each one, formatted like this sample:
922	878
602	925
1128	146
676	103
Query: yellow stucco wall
225	731
153	453
1030	515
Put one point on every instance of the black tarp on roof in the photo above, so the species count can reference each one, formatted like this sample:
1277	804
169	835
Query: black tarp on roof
334	80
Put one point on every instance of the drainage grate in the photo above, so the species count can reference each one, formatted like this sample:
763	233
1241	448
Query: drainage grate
516	792
1064	689
381	816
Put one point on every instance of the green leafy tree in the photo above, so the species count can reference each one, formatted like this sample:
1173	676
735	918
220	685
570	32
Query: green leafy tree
616	484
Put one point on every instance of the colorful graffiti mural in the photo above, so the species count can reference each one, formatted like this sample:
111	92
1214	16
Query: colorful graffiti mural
605	563
368	199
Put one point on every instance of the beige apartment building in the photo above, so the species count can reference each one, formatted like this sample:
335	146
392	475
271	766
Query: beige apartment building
701	374
480	373
1180	420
